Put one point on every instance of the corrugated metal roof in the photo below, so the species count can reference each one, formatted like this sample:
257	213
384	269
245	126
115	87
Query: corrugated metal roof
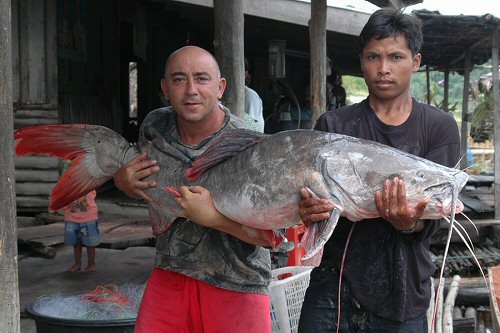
448	37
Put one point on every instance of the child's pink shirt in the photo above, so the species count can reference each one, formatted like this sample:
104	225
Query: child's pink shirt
82	210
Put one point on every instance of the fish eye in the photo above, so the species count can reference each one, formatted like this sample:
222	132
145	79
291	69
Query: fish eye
420	174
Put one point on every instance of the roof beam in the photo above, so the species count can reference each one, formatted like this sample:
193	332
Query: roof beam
472	47
340	20
394	3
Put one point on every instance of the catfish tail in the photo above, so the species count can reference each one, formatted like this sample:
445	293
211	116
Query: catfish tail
96	153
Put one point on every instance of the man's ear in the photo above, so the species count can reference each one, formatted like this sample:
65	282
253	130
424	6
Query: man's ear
416	62
222	87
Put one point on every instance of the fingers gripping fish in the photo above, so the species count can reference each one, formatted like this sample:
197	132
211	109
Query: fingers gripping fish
253	178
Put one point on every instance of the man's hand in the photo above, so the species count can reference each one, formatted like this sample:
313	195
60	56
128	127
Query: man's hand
392	206
197	204
129	177
313	209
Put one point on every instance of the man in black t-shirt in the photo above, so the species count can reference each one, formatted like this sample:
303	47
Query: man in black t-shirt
386	275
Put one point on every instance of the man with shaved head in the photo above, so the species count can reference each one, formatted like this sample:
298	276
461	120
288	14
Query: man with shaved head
209	275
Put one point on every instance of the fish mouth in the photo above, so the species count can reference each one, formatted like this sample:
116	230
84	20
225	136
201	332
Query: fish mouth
442	198
447	207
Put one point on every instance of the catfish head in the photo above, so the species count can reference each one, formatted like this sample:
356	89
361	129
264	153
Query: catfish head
355	169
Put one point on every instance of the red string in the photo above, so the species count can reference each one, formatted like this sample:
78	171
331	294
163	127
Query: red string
105	294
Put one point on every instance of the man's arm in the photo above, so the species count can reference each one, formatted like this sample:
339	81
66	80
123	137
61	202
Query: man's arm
391	203
198	206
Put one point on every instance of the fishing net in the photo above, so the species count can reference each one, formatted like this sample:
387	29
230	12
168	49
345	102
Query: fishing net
109	302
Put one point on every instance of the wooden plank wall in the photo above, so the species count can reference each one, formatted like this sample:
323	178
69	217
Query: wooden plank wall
89	109
35	53
35	98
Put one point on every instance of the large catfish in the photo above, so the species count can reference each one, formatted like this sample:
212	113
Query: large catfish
254	178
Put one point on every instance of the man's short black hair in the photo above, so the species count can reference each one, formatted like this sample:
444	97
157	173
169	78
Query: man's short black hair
390	23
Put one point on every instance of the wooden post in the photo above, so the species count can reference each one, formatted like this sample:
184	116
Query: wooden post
428	84
449	304
230	52
438	325
446	106
464	133
9	287
317	36
496	110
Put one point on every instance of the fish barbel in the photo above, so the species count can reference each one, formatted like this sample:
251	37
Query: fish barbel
254	178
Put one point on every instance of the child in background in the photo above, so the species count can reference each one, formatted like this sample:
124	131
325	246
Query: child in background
81	227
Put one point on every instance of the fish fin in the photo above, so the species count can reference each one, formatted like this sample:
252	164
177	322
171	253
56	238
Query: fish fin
87	146
222	148
175	192
274	237
74	183
159	222
62	141
317	235
314	260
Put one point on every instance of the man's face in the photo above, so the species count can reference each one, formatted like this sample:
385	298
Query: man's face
388	65
193	85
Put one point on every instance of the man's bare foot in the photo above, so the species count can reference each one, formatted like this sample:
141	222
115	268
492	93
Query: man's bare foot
74	268
90	269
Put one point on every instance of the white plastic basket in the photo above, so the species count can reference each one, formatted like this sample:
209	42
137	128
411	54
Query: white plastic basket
287	296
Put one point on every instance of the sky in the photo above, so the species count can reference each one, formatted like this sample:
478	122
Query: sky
457	7
445	7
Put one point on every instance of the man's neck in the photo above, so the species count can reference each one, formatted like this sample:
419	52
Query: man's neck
193	133
392	112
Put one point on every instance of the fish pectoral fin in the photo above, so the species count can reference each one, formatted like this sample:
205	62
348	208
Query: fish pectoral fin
317	235
160	222
274	237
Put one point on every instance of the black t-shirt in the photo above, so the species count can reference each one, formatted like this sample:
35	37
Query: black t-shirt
388	272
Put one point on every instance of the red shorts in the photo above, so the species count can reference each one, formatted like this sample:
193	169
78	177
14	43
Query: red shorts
173	302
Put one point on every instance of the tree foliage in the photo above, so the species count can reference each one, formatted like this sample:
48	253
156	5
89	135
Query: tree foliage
355	86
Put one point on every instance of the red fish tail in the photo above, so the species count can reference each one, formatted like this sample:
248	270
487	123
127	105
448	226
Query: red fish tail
74	184
63	141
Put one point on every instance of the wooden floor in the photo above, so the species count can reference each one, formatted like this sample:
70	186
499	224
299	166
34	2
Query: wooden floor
116	232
